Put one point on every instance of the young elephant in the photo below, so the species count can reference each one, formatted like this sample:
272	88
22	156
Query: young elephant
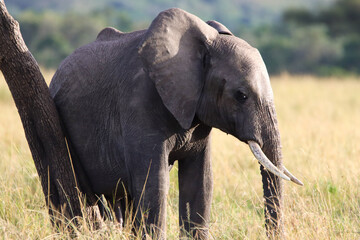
133	103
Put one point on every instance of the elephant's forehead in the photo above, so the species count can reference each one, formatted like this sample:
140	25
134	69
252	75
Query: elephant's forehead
249	64
239	61
247	59
239	55
260	83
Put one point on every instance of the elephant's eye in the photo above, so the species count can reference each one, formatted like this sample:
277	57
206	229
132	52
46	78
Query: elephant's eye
240	96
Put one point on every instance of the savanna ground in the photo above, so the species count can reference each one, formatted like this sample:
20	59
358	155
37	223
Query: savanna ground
319	123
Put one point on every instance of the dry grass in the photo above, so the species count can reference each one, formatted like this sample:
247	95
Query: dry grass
321	143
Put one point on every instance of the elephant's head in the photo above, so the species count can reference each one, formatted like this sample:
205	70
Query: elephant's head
203	70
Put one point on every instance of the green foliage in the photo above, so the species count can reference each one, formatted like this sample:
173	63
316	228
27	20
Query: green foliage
327	42
297	49
52	36
323	42
300	15
230	12
351	58
342	18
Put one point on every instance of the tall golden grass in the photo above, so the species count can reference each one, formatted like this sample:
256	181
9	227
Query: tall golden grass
319	122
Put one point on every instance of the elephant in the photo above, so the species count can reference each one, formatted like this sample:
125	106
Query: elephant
134	103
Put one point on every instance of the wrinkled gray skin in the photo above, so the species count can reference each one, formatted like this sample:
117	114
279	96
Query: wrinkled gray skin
133	103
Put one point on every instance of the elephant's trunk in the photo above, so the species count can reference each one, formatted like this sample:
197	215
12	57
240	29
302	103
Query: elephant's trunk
272	186
272	171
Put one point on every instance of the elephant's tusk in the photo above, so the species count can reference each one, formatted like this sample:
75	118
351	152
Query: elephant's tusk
292	177
263	160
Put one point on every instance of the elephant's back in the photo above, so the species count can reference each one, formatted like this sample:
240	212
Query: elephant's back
96	63
98	70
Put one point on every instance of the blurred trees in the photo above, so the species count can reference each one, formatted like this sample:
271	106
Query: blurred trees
323	42
326	42
51	36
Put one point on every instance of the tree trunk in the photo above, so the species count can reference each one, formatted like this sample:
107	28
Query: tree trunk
41	123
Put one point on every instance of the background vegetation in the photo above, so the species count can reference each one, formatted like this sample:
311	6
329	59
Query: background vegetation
319	37
320	145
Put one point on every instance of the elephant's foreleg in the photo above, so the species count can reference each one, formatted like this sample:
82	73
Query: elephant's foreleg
195	193
149	187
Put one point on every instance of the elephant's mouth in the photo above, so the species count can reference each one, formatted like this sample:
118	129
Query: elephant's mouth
263	160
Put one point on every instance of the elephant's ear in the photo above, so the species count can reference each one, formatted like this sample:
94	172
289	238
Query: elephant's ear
219	27
172	53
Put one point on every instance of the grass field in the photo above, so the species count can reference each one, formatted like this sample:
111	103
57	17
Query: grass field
319	123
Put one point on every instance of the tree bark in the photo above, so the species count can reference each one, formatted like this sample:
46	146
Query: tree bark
41	123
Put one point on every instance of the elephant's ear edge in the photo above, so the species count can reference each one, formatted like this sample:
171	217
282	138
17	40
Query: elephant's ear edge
220	27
